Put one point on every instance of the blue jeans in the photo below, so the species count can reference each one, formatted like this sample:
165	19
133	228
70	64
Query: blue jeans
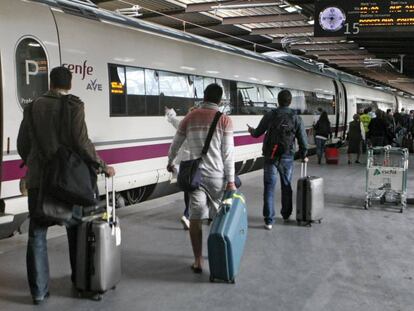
320	147
36	258
285	168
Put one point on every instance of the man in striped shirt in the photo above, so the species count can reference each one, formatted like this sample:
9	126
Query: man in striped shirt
217	167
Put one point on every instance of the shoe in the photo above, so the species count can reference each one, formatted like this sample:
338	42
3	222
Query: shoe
186	223
285	219
357	162
349	162
39	301
268	227
197	270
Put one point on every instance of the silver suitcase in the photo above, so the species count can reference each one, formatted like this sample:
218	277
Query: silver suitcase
98	257
310	200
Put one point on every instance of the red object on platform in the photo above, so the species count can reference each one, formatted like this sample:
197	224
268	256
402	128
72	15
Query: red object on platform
332	155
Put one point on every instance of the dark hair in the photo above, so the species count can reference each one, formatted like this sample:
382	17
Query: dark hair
61	78
324	117
388	111
284	98
366	110
213	93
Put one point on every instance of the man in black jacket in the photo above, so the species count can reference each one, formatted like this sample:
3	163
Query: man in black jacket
46	116
282	163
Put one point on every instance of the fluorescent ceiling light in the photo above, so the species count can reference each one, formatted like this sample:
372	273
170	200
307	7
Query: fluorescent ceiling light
291	9
243	6
311	22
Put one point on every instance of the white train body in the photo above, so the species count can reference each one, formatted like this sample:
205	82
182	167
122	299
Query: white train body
96	45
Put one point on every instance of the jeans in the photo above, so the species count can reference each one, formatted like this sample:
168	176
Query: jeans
320	147
285	168
37	259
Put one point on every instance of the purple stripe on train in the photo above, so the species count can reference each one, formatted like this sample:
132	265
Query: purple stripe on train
11	169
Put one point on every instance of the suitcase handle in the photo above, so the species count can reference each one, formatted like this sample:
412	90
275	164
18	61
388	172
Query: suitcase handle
110	205
304	169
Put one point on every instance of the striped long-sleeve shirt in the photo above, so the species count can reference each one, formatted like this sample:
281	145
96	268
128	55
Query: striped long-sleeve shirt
219	162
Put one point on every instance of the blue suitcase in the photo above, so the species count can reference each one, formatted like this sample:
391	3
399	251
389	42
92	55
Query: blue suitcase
227	238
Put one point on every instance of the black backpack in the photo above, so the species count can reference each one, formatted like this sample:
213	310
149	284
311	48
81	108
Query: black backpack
280	135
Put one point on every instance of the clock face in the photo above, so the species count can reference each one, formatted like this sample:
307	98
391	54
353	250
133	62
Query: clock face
332	19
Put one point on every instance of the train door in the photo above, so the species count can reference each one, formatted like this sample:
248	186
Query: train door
341	108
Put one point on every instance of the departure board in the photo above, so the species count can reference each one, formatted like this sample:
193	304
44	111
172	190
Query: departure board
364	18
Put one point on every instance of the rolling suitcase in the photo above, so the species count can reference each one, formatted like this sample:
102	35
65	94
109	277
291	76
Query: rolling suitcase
227	237
332	155
310	201
98	256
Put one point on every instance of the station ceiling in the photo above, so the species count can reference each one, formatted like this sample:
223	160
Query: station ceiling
268	25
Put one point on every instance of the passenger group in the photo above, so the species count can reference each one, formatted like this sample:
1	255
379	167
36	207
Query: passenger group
57	118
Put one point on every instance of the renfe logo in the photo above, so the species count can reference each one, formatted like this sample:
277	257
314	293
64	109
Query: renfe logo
82	70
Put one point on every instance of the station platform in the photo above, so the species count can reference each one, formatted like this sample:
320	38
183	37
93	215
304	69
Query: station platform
355	259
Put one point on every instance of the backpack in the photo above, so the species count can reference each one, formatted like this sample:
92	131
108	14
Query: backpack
280	135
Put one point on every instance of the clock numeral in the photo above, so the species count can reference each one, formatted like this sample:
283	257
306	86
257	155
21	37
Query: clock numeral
354	31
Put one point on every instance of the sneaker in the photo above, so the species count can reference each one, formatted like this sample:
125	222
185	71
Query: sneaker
186	223
349	162
357	162
268	227
39	301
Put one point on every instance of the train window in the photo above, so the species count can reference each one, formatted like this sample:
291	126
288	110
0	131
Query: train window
199	87
176	91
152	93
117	87
248	99
269	97
135	82
324	101
31	71
208	81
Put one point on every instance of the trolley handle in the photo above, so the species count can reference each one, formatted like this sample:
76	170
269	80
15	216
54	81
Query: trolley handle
110	205
303	169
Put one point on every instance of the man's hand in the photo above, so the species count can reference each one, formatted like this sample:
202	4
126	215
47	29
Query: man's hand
305	160
109	171
170	168
250	129
231	186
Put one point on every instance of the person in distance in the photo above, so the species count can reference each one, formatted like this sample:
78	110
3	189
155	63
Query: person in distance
322	134
47	125
281	126
217	169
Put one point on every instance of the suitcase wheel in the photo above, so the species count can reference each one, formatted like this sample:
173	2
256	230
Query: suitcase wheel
97	297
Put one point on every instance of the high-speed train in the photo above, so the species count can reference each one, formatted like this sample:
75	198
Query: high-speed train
127	71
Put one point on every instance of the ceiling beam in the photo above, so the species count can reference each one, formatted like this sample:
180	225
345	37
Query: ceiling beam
325	46
272	18
346	57
208	6
282	30
336	52
312	39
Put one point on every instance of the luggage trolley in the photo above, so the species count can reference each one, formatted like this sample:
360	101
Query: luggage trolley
387	176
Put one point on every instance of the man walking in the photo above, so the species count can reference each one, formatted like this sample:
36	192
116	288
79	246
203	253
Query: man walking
217	169
281	126
47	124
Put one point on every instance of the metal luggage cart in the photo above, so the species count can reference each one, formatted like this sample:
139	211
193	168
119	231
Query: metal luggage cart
387	176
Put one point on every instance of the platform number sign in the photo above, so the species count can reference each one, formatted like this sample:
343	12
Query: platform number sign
31	71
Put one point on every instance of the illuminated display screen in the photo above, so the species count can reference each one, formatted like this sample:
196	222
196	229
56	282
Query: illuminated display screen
364	18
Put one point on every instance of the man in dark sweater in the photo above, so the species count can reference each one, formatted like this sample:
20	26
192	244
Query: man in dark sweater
283	163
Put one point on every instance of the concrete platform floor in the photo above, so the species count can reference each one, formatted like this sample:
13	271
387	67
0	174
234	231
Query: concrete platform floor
354	260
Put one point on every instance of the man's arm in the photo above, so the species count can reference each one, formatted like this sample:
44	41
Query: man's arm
23	138
301	137
177	142
227	150
263	126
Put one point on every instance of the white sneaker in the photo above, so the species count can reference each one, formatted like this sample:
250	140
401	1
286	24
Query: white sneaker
186	223
268	227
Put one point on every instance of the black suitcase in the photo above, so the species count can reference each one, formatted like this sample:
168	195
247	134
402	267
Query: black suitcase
310	200
98	257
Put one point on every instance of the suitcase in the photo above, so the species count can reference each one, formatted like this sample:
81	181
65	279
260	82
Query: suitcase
227	237
98	256
310	200
332	155
408	142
